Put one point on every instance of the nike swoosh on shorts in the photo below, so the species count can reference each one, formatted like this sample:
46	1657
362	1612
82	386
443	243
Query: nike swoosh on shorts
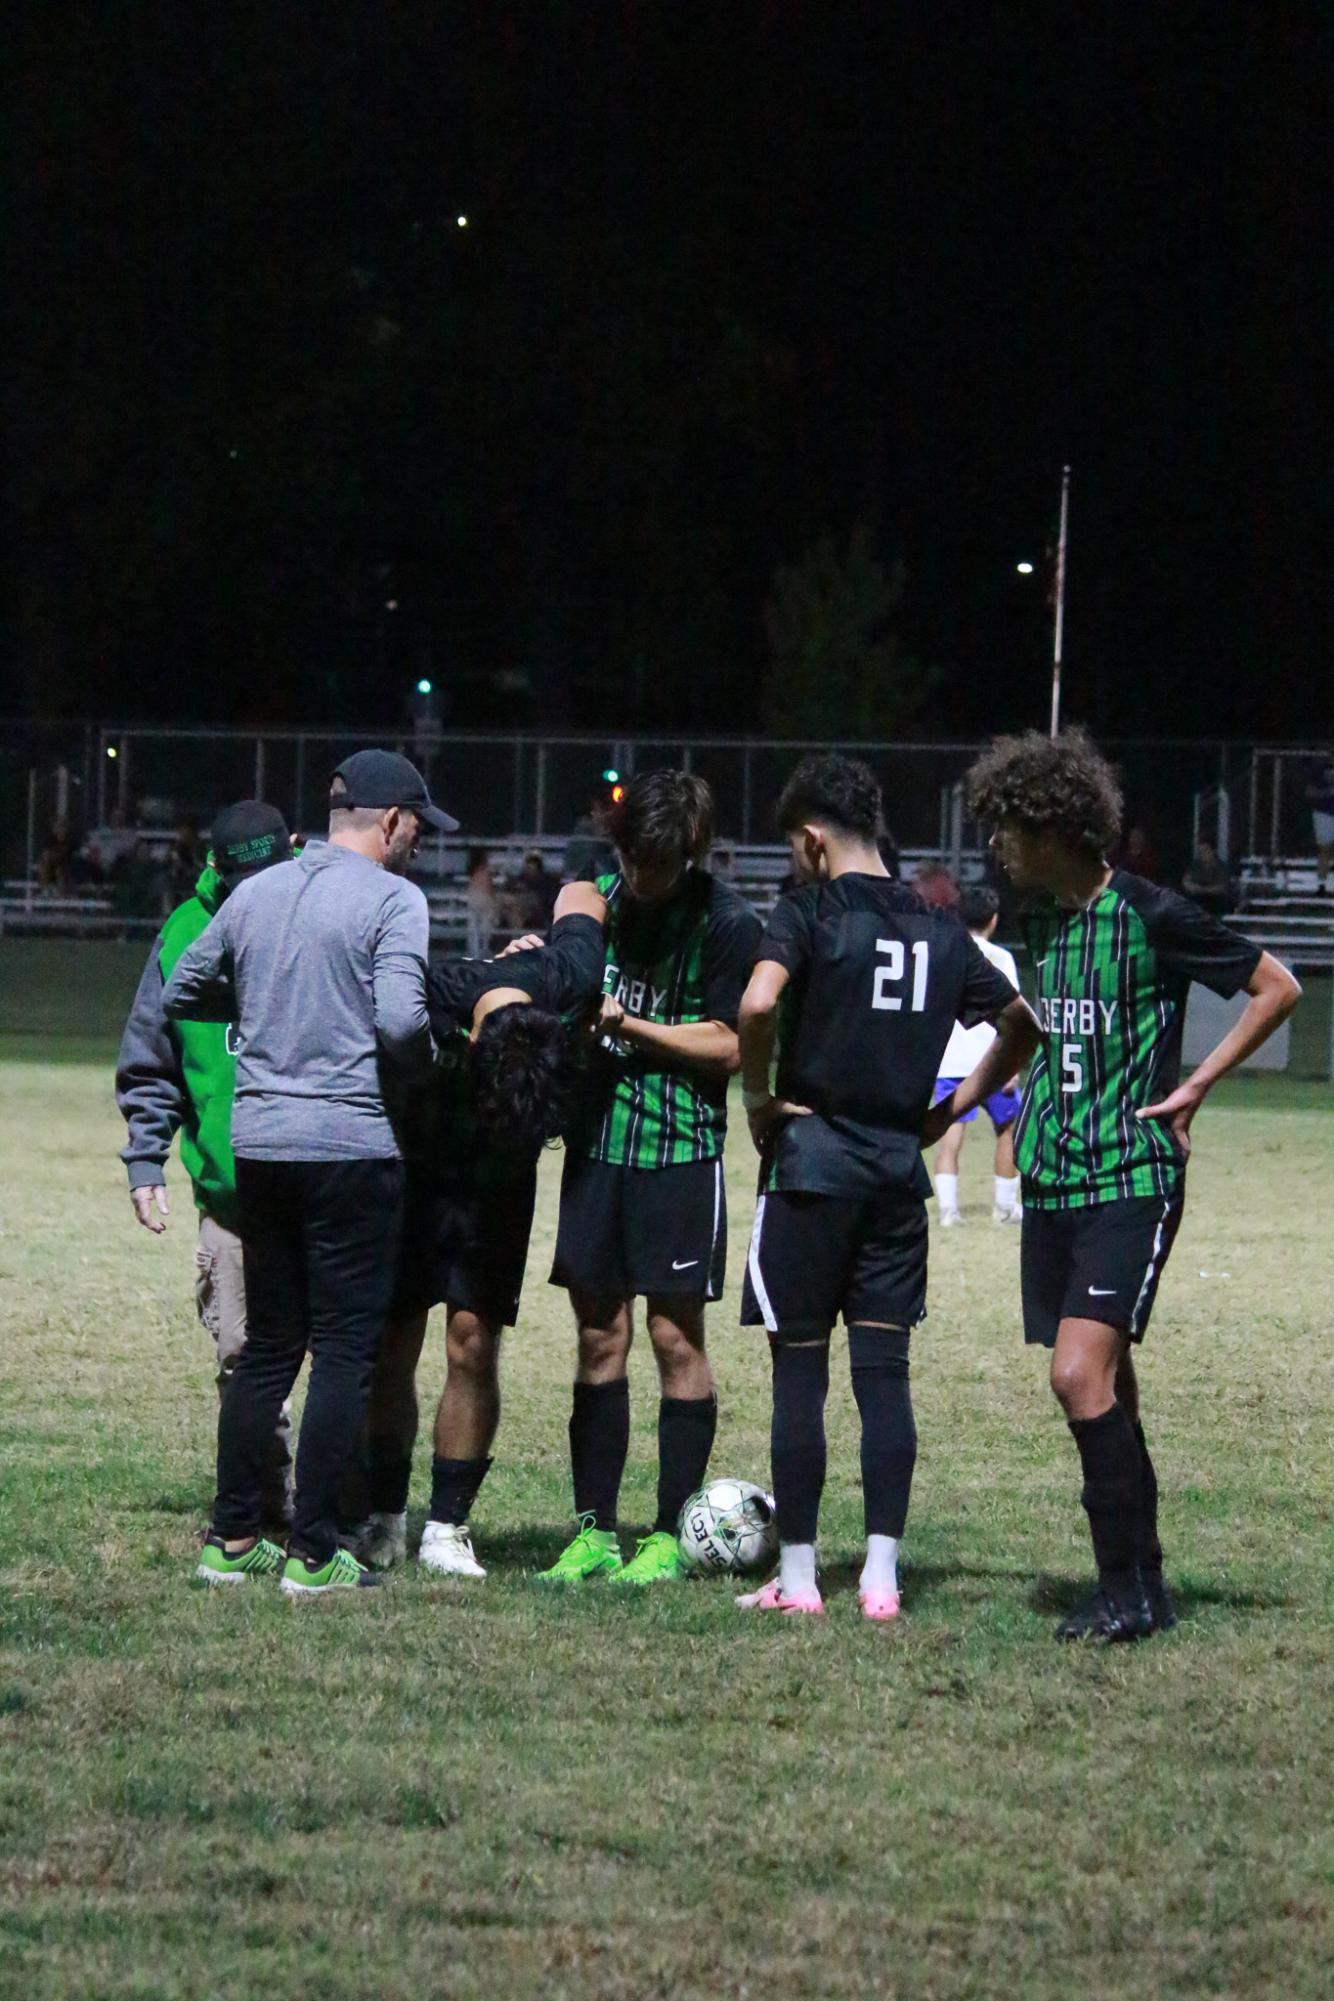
1103	1291
679	1264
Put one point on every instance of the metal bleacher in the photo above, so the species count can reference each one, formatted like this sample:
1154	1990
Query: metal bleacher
1280	908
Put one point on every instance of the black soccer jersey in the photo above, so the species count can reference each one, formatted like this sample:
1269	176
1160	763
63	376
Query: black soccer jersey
877	984
561	976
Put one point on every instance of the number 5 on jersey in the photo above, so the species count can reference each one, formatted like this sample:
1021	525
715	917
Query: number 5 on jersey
891	974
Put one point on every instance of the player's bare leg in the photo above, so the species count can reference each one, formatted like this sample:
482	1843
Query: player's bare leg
599	1436
1085	1365
946	1174
1006	1206
465	1428
391	1433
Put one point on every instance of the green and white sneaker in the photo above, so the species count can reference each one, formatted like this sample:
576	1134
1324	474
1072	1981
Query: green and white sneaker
593	1553
341	1573
215	1566
656	1560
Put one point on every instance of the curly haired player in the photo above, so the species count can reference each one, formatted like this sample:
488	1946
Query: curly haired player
1104	1133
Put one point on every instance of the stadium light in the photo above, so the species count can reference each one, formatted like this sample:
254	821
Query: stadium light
112	751
609	777
1024	569
423	687
462	221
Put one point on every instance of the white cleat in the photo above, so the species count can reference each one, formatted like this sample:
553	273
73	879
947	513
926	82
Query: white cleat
950	1219
1000	1215
447	1550
383	1541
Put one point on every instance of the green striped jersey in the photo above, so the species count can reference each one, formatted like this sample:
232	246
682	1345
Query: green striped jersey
687	959
1112	980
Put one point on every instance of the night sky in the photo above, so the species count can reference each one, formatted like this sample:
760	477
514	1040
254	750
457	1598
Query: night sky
735	277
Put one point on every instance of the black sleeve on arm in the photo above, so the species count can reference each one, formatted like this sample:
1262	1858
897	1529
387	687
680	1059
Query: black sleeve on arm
452	987
986	991
562	976
731	945
789	934
1191	943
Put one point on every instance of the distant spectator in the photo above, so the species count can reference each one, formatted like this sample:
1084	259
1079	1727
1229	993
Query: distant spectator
1137	854
184	862
589	852
137	883
87	870
1320	793
1208	881
481	901
530	896
55	861
936	886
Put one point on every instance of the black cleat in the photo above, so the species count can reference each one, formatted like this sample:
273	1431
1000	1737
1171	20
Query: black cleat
1109	1617
1162	1607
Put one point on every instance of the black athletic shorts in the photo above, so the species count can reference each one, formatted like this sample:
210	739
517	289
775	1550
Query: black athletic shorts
465	1246
629	1230
813	1257
1101	1263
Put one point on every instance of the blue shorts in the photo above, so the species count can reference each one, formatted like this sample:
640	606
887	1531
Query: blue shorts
1002	1106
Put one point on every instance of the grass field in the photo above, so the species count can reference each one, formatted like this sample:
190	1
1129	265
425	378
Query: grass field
479	1792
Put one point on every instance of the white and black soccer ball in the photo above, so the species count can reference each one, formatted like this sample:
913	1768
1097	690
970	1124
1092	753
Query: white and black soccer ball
728	1528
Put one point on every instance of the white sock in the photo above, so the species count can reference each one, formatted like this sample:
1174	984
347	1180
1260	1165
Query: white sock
796	1568
1007	1191
947	1192
880	1572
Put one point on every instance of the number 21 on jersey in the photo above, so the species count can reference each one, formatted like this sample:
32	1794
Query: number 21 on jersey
891	974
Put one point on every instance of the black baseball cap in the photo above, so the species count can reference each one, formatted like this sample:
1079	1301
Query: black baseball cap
247	837
383	778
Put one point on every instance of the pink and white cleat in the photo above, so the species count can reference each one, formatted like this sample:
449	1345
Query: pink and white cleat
879	1605
770	1598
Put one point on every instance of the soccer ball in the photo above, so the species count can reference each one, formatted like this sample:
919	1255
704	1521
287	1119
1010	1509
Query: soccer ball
729	1526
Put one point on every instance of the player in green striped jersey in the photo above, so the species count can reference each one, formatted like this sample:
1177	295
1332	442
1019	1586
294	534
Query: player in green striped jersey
1104	1133
642	1209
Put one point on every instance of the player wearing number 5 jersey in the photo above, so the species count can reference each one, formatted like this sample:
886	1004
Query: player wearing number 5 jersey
1104	1133
864	985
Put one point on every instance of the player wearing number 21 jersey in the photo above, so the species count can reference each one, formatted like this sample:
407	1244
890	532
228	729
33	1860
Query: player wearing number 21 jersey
1104	1133
863	985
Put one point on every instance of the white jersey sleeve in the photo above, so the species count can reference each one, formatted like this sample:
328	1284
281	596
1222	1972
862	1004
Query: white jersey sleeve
967	1046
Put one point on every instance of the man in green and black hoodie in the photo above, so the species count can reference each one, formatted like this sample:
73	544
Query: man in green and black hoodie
179	1076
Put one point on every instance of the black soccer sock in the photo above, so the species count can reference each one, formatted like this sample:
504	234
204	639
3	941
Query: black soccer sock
686	1426
454	1485
889	1432
1150	1549
797	1441
388	1476
599	1442
1111	1460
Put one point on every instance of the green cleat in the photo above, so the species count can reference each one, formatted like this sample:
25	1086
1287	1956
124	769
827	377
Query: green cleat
215	1566
341	1573
593	1553
656	1560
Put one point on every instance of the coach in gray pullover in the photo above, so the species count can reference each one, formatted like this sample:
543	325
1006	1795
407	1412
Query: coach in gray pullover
321	963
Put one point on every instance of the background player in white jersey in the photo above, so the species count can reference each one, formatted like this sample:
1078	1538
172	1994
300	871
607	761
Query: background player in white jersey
979	908
869	983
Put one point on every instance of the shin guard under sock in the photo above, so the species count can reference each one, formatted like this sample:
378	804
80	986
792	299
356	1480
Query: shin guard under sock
686	1426
801	1383
889	1441
1150	1549
454	1485
599	1442
1110	1456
